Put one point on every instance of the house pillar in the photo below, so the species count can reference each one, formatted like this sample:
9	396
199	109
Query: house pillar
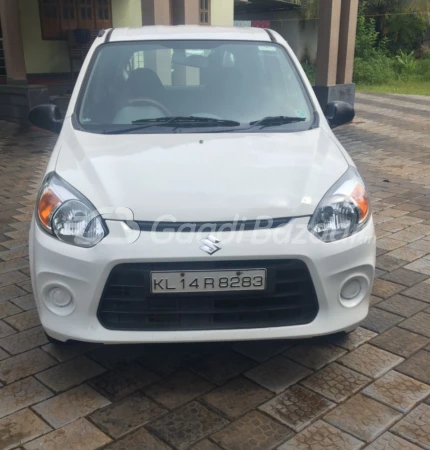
16	97
335	54
347	35
328	42
12	42
186	12
156	12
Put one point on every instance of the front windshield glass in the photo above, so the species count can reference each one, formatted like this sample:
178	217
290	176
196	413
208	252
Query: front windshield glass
193	86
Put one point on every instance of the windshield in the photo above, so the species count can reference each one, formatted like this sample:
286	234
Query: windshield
193	86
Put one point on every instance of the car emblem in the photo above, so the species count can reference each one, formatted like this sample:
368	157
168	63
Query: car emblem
210	245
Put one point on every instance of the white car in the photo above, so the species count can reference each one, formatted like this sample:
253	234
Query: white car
197	193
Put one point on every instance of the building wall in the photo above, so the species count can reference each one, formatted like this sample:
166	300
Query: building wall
40	56
127	13
185	12
222	13
302	36
53	56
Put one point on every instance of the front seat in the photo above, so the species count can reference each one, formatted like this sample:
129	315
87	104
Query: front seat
144	83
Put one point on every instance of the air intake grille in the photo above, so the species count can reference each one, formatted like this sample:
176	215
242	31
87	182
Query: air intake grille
127	303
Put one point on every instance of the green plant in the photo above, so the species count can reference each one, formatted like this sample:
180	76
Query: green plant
385	10
423	53
423	70
405	32
376	69
366	39
368	43
406	61
398	87
309	9
384	24
310	71
383	70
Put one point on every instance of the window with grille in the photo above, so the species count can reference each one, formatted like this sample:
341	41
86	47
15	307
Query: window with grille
86	14
103	14
58	16
205	12
69	17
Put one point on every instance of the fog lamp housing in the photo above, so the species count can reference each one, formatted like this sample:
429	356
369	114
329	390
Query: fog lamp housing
353	291
59	300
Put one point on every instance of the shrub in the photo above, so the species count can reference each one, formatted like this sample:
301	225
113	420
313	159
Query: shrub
310	71
384	70
372	65
406	62
368	43
423	70
425	54
366	38
378	69
405	32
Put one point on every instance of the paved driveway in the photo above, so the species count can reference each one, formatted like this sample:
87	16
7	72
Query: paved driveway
368	390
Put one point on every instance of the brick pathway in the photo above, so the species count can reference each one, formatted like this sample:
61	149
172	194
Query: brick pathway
370	390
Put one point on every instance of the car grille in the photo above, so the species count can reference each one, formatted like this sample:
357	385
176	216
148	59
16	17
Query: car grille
128	304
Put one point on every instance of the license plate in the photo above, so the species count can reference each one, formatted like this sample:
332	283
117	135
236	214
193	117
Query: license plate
208	281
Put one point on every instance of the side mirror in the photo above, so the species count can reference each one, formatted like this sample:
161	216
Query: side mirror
339	113
48	117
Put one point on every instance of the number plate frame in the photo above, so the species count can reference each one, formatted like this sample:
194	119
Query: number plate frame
171	281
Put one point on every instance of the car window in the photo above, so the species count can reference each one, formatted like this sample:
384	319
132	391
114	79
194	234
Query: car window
241	82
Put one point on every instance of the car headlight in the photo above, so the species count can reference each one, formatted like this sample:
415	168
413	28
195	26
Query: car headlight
65	213
343	211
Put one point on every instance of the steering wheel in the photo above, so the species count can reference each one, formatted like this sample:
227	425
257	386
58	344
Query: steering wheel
151	102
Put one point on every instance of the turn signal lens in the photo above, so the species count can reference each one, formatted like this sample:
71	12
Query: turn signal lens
360	197
47	204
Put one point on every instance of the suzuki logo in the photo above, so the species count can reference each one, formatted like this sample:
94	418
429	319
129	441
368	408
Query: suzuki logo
210	245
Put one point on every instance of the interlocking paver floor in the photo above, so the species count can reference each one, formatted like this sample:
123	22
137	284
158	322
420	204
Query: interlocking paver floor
367	390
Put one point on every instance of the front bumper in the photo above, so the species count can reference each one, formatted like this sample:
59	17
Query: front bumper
84	272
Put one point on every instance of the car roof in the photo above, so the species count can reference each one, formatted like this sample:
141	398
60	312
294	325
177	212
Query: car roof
188	32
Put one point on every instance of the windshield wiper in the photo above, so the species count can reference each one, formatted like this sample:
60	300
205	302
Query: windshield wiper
268	121
178	121
195	120
149	123
274	121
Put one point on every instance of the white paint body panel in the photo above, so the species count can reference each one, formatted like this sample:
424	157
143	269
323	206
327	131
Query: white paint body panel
84	272
228	175
249	175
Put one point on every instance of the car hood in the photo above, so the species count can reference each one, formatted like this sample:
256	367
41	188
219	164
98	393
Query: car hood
202	177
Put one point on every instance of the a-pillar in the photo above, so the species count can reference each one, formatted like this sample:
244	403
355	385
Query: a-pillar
335	54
